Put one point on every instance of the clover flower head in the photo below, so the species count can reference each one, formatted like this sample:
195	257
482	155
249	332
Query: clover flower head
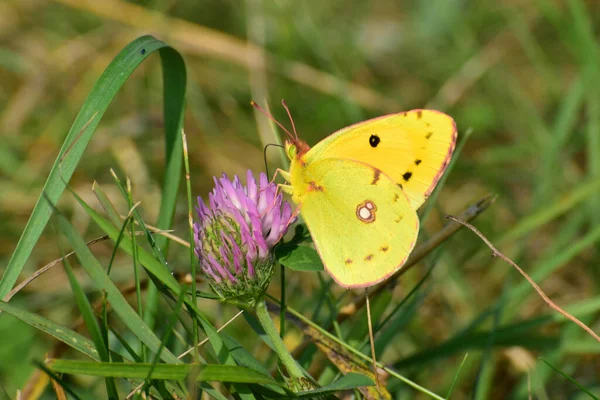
235	235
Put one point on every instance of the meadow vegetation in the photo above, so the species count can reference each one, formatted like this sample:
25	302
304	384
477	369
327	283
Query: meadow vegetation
519	77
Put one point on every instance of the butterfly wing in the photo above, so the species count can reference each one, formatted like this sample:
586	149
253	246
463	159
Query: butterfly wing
361	222
413	148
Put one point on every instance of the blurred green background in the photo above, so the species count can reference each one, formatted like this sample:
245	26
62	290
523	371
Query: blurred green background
523	75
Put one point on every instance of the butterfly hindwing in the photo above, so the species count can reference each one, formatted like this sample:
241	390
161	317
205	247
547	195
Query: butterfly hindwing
361	222
413	148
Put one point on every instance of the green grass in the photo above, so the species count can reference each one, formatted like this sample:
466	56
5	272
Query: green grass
84	93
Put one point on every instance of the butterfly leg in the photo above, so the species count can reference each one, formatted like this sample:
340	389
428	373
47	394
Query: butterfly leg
295	213
285	174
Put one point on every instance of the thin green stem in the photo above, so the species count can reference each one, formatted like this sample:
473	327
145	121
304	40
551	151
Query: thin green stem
282	312
284	355
134	251
193	261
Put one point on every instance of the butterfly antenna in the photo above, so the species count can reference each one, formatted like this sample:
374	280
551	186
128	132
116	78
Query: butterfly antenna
259	108
284	104
371	339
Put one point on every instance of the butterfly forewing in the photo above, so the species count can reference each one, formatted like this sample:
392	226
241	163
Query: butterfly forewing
413	148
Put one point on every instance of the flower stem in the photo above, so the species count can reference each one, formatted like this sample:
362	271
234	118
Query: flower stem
284	355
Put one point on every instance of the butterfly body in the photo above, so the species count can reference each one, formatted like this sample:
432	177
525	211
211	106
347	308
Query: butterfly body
358	190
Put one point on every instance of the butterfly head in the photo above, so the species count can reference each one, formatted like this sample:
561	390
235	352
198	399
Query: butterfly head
295	149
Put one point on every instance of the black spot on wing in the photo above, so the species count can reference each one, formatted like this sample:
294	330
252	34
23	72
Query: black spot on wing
417	162
406	176
374	140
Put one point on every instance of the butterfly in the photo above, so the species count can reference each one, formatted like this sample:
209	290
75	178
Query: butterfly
358	190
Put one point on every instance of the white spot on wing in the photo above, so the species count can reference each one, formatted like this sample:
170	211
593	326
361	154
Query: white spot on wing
364	213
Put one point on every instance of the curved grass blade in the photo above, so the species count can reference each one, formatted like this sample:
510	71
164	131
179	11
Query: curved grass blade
85	125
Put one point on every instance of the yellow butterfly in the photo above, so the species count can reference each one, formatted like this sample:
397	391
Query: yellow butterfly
358	190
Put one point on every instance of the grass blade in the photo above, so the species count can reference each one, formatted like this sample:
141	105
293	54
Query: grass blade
64	334
106	204
87	312
346	382
456	376
206	372
81	132
583	389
